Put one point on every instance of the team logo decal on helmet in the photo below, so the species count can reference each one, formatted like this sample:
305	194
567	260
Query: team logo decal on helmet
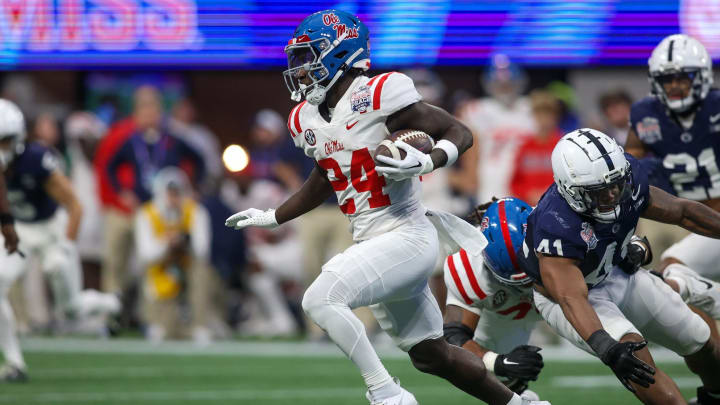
504	227
325	45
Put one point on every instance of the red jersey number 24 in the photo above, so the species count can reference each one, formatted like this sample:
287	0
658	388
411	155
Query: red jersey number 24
361	163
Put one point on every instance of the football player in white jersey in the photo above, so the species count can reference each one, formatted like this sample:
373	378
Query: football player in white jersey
35	189
344	117
489	308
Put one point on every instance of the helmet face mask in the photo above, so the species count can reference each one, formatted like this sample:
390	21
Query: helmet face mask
603	200
592	174
304	60
680	57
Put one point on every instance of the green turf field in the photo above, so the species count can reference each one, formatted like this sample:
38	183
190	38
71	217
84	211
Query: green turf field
158	377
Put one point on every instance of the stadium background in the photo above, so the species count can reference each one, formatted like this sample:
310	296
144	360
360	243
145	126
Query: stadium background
226	56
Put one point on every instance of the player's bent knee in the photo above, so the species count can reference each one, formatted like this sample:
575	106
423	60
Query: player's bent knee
665	262
431	356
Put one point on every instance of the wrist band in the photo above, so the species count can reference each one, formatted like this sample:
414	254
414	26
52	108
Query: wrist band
450	150
6	219
601	341
489	360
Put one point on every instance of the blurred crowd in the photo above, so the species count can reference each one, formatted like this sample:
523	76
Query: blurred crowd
156	193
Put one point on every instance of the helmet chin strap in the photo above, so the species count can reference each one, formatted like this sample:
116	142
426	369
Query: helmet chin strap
318	93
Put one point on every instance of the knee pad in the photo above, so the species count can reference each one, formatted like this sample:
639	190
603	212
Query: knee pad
325	292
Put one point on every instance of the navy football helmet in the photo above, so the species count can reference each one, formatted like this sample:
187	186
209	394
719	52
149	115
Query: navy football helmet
504	225
324	46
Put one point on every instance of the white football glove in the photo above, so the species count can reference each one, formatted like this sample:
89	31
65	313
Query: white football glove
252	217
415	163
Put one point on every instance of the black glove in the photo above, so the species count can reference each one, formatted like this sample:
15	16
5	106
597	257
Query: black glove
620	358
523	362
639	253
516	385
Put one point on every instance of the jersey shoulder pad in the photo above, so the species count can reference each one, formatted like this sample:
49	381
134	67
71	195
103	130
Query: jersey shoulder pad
463	278
295	120
713	99
646	106
39	158
392	91
556	229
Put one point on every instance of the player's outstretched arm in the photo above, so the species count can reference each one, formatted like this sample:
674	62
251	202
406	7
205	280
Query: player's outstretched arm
633	145
437	123
313	192
564	282
691	215
60	189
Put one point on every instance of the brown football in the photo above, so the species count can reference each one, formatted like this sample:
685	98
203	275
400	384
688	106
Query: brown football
417	139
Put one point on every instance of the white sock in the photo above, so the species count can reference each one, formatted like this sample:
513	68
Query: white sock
515	400
380	384
8	336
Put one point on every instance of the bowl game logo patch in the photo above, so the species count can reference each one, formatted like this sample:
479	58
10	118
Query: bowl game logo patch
360	100
588	235
648	130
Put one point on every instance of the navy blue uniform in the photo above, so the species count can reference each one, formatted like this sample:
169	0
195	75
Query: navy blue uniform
555	229
26	178
690	158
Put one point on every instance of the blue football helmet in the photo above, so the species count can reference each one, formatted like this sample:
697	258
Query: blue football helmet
324	46
504	226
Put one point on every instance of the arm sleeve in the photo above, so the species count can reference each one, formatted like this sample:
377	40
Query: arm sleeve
149	249
392	92
200	237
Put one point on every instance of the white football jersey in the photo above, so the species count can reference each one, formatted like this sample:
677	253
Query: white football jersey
471	285
499	131
344	147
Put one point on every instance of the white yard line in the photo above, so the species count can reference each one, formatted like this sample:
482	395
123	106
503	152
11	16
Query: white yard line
608	381
266	349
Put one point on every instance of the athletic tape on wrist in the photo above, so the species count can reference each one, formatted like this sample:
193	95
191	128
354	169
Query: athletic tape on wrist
450	150
489	360
601	341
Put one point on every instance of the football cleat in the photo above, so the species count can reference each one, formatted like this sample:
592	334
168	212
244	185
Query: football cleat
403	398
12	374
700	292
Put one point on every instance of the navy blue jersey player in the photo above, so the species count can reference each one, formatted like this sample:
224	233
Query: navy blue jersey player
580	251
36	189
679	124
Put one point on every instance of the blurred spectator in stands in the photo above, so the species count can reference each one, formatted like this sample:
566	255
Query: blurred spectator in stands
128	159
615	107
83	132
172	233
272	152
183	123
275	259
568	119
46	130
532	172
500	123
